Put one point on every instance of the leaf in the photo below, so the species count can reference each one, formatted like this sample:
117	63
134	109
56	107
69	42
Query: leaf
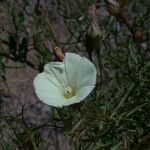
116	146
134	52
23	49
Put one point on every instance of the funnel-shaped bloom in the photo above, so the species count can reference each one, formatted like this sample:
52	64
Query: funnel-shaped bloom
65	83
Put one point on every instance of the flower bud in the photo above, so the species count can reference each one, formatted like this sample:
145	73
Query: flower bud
95	30
113	7
93	37
58	53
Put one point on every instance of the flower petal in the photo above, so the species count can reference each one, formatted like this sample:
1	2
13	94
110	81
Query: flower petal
71	63
80	95
84	92
47	90
55	70
86	74
79	71
56	65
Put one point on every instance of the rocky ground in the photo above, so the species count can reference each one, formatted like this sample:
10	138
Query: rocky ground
20	91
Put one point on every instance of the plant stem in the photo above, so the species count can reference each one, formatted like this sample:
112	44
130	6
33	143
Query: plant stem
131	88
100	68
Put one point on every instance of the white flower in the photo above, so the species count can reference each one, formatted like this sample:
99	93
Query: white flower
65	83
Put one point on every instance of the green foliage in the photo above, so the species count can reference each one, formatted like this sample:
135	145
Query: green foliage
116	115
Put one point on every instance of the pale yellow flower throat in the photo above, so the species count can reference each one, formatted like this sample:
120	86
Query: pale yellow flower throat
69	92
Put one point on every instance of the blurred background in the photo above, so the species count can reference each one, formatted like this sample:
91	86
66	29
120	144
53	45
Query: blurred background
114	35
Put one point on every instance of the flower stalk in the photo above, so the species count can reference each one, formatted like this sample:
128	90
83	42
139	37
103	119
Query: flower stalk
93	36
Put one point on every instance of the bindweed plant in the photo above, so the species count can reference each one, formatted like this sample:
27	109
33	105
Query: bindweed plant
109	110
